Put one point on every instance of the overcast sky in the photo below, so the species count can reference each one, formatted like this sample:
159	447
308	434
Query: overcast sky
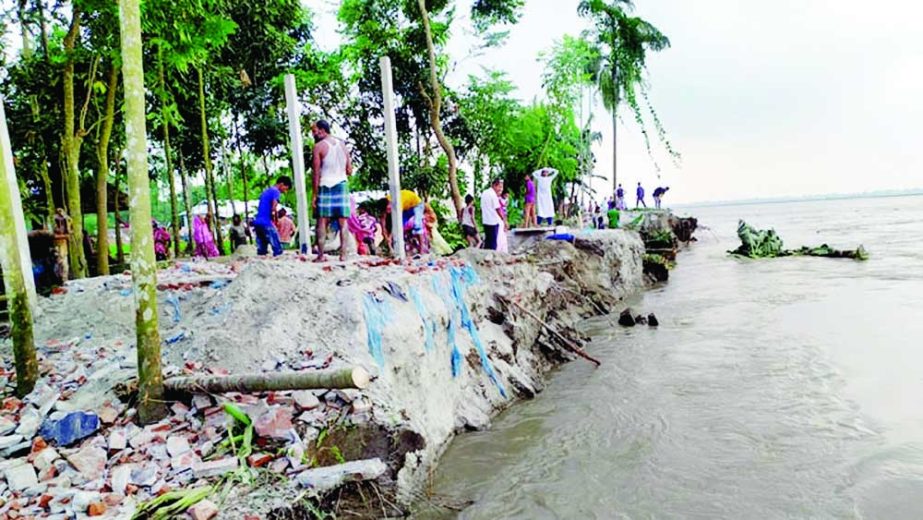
784	98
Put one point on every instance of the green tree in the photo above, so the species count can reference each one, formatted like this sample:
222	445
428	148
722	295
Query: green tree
13	246
143	267
622	42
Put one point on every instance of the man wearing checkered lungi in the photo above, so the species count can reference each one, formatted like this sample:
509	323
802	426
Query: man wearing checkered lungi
332	167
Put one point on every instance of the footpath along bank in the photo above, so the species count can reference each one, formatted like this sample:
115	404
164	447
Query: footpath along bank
448	342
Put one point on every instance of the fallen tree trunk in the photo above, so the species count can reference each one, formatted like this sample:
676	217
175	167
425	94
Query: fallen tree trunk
355	377
566	343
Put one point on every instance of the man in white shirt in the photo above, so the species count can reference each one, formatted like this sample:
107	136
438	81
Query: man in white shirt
491	213
332	166
545	203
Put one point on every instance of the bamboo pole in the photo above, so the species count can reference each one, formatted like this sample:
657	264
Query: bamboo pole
566	343
16	263
143	268
355	377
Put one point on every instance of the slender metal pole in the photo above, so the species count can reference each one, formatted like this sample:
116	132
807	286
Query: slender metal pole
297	149
394	174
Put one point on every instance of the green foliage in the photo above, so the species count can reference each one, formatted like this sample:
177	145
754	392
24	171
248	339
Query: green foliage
622	42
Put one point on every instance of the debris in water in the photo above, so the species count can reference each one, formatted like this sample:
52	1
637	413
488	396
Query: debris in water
765	243
626	319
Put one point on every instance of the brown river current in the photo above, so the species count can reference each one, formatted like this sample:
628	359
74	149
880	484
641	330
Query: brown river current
786	388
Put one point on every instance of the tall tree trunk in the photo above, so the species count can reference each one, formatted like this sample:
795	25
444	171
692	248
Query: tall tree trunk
71	143
16	267
615	130
187	202
119	249
143	267
26	37
243	169
435	106
171	175
40	9
102	176
209	174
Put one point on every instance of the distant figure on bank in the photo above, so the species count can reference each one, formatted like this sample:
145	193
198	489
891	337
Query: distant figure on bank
161	242
204	242
332	167
469	226
620	198
544	203
658	194
640	193
239	233
285	227
491	213
264	224
528	216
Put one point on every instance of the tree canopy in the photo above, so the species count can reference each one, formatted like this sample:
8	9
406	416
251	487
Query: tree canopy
226	59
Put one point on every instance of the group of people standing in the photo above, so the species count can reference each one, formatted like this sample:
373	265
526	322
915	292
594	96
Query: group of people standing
538	209
619	202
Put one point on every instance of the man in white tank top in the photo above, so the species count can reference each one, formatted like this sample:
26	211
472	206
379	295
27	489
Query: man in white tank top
332	166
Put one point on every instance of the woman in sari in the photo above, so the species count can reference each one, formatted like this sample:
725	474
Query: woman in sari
204	242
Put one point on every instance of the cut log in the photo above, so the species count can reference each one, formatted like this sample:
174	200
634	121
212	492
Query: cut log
355	377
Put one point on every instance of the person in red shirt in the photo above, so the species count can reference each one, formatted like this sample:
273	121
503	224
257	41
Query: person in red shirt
286	228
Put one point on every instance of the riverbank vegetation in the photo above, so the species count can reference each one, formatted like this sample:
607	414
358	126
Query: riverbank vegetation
215	108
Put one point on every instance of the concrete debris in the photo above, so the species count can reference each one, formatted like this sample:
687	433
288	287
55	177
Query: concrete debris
108	414
305	400
275	424
21	476
7	425
215	468
10	440
45	458
204	510
29	421
117	440
331	477
177	445
90	461
120	478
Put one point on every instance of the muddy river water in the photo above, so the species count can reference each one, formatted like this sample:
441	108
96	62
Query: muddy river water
787	388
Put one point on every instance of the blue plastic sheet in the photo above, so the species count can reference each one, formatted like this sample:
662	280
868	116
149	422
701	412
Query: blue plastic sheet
220	284
462	277
444	292
429	326
173	301
377	314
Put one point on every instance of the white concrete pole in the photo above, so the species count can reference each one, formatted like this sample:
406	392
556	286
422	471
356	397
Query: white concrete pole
394	174
21	253
297	149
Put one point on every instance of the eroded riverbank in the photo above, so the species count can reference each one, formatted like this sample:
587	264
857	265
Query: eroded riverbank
449	342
